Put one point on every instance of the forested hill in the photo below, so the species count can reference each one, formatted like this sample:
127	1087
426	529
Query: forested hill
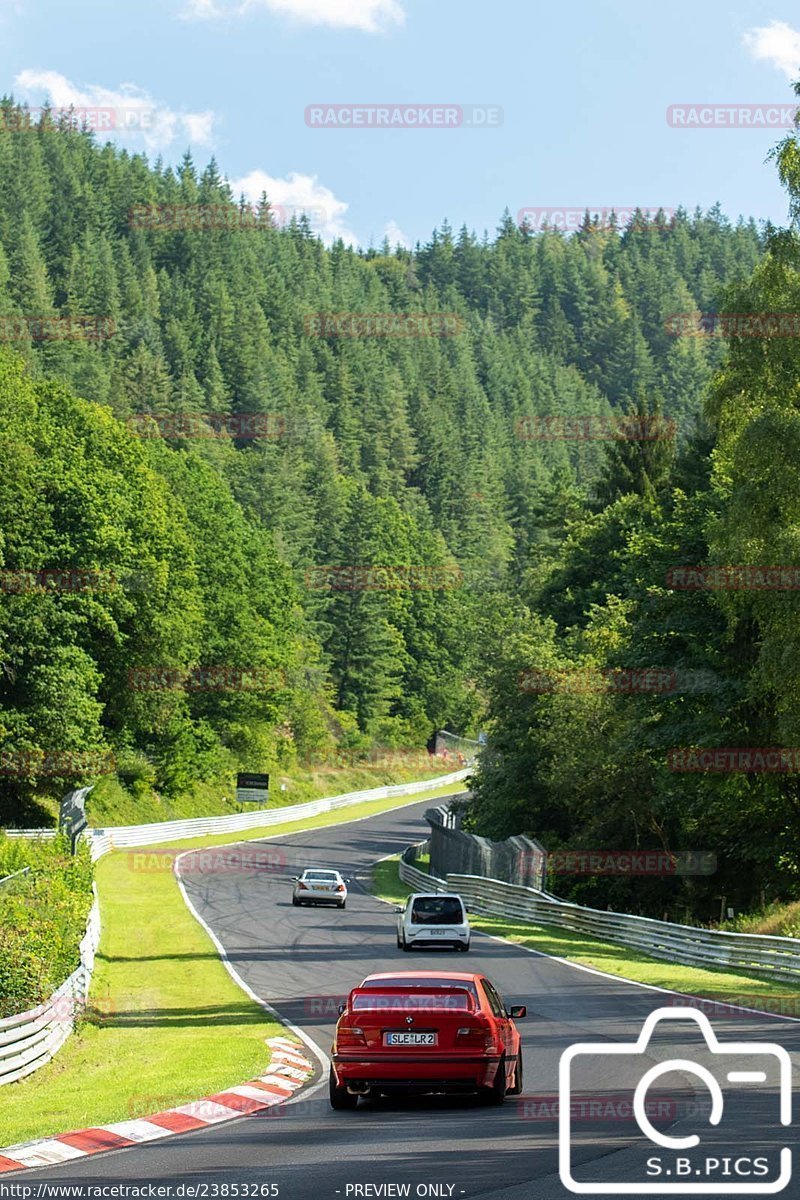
409	452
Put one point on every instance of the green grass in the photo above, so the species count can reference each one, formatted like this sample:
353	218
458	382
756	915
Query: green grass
746	990
168	1024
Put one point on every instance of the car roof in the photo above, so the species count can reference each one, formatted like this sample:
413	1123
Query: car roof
437	895
320	871
456	976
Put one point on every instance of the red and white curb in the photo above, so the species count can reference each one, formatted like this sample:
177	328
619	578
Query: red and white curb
289	1069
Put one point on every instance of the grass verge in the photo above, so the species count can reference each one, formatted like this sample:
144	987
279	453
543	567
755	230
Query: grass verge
167	1024
723	986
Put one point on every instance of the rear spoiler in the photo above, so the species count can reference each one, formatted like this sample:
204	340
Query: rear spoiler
413	999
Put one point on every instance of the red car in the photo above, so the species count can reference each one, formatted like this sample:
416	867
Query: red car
426	1031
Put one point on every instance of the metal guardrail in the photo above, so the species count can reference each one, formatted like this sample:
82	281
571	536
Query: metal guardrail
14	875
29	1040
755	954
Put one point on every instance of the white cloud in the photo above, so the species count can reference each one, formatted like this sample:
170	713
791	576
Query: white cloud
127	114
371	16
778	44
297	194
395	235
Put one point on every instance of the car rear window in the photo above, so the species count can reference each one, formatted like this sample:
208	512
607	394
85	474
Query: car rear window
437	910
415	1000
326	875
407	985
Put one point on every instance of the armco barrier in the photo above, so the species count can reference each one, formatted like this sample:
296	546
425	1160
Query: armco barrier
29	1040
755	954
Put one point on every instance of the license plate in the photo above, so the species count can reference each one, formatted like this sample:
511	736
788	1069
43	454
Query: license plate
409	1039
440	932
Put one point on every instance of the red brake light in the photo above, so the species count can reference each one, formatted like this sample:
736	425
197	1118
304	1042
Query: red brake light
340	888
350	1035
478	1036
302	887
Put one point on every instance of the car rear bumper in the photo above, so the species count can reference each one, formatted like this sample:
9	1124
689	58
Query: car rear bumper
463	1072
421	937
320	897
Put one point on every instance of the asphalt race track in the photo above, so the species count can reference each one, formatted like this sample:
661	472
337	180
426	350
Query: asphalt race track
303	960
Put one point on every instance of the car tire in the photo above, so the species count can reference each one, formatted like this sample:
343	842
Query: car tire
339	1097
295	902
399	943
404	945
343	904
496	1094
464	947
516	1090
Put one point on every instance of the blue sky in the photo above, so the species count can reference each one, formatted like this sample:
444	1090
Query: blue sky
583	88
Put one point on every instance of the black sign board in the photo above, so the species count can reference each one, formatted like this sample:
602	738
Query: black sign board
252	788
249	780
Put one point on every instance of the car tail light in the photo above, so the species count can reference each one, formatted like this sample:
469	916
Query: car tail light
350	1035
340	888
302	887
478	1036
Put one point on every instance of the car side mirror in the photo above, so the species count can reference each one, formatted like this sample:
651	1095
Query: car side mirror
340	1009
517	1011
398	908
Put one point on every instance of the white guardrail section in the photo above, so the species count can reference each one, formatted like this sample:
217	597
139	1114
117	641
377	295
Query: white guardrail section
30	1039
773	957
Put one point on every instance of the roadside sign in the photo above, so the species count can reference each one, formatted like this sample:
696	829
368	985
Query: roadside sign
71	818
252	788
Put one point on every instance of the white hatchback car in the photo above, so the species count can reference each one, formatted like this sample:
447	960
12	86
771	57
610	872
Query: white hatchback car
433	919
319	886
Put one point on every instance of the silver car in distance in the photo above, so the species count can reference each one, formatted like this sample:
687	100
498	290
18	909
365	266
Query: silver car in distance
319	886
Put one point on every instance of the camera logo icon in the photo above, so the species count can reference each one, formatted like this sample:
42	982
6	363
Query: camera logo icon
737	1073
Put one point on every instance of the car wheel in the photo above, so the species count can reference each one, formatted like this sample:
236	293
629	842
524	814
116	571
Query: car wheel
464	947
343	904
404	944
340	1098
516	1090
399	943
295	902
496	1094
